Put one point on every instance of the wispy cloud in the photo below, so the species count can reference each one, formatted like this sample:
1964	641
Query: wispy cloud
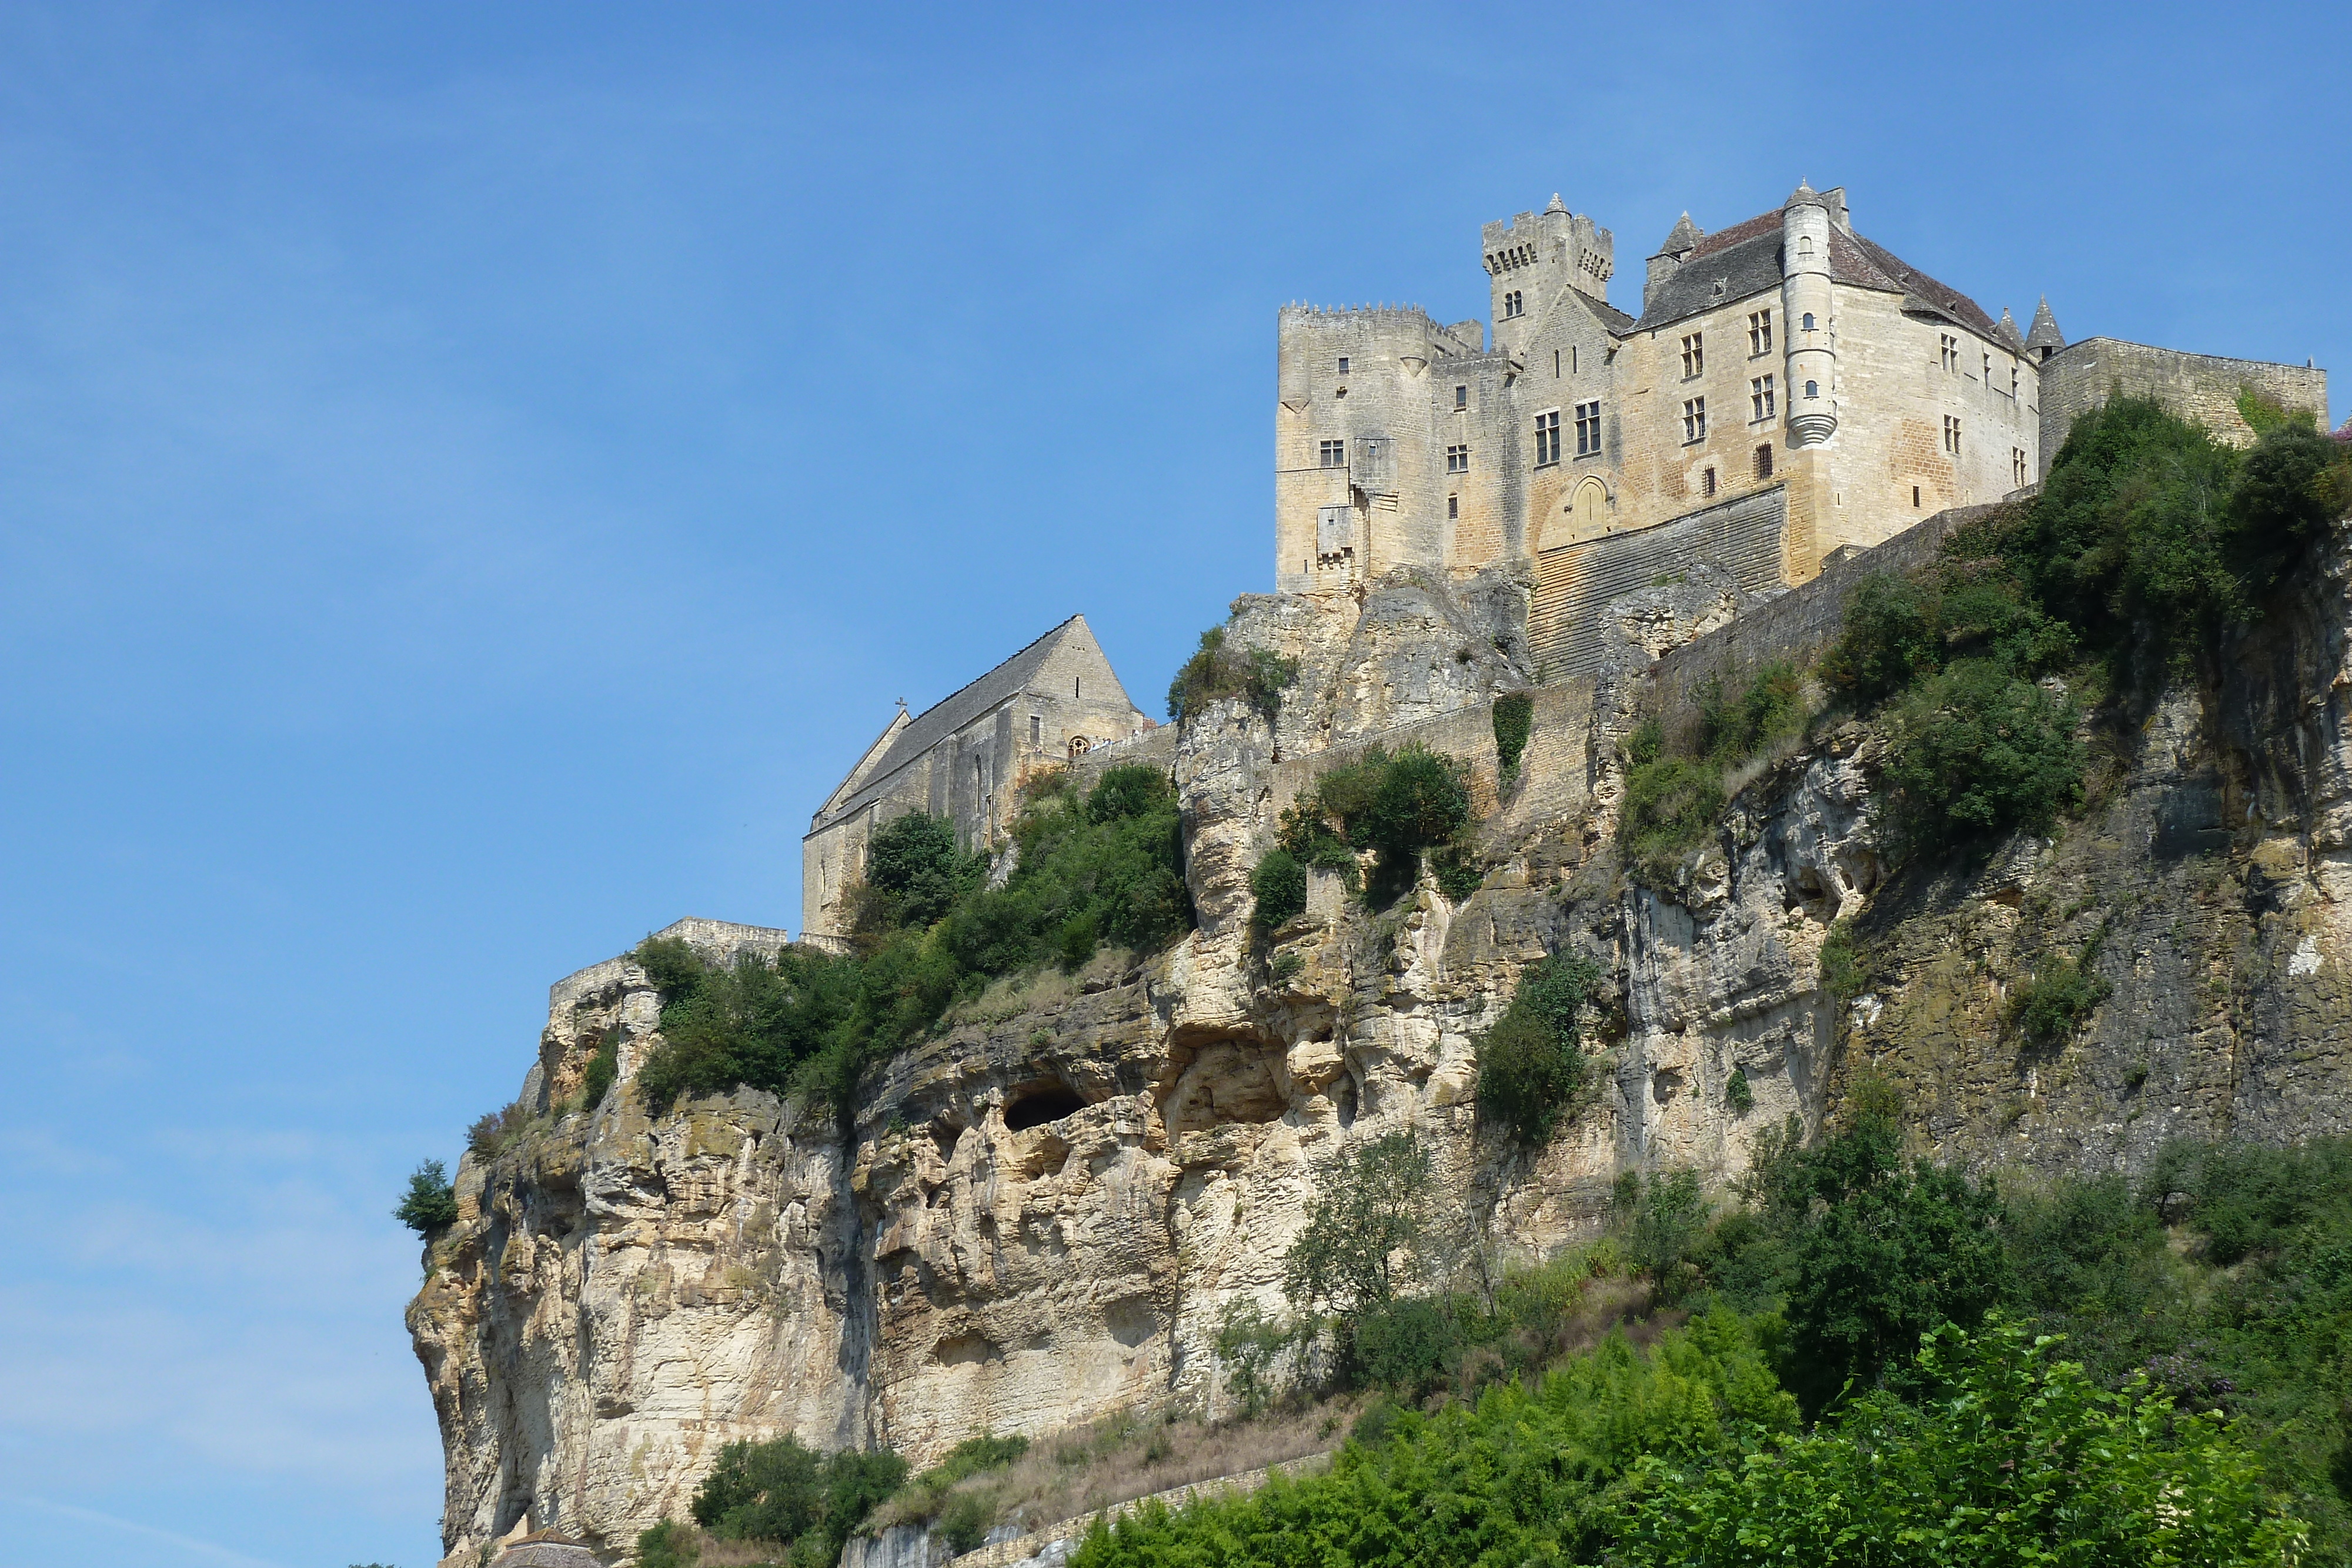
207	1550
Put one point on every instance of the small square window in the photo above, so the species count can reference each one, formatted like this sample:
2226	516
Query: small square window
1760	333
1457	460
1332	454
1952	434
1343	364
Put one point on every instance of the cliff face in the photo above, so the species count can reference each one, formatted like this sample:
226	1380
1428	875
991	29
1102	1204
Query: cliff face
1042	1214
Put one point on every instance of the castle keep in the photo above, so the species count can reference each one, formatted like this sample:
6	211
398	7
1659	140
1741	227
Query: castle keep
1790	389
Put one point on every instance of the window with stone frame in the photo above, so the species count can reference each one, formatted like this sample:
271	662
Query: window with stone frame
1343	364
1694	419
1760	333
1332	454
1453	506
1707	483
1988	372
1588	429
1546	438
1952	434
1762	398
1949	347
1515	303
2017	464
1457	459
1462	397
1764	460
1694	355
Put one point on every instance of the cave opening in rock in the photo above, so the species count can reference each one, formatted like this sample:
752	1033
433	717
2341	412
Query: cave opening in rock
1046	1102
1343	1100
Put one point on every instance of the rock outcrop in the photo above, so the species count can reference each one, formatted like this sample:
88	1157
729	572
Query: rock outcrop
1044	1213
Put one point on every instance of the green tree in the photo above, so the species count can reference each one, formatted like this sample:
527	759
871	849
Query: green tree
1531	1065
430	1202
916	872
2011	1458
783	1490
1362	1240
1978	751
1279	889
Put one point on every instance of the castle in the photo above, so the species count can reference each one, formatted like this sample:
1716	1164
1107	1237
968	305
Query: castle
1789	390
1792	393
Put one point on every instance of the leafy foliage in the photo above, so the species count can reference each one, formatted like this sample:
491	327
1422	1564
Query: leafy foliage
784	1491
1218	670
1845	972
603	1066
1672	806
1399	805
1513	719
1735	725
1531	1068
1278	888
1363	1241
1736	1093
1976	751
2061	993
430	1202
1527	1474
2012	1458
1662	1220
961	1517
1107	866
914	874
668	1544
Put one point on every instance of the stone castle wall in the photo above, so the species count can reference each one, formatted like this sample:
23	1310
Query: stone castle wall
2202	388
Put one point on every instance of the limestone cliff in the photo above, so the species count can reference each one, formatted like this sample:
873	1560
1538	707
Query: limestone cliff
1040	1215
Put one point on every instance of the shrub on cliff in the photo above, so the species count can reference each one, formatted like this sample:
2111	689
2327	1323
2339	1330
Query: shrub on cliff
914	874
782	1491
1217	670
1514	720
430	1202
1978	751
1277	889
1363	1241
1531	1067
1398	804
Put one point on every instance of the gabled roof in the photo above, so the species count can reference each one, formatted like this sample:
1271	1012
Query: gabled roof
912	737
1614	320
1745	259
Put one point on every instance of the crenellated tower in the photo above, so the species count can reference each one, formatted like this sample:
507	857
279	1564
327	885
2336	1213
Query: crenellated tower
1535	256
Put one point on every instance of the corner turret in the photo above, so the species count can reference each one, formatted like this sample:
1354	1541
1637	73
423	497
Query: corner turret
1808	323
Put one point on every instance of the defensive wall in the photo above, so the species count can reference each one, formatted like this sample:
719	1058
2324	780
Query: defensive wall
2201	388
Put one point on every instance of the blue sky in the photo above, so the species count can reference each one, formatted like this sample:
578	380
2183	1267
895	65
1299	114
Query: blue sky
472	477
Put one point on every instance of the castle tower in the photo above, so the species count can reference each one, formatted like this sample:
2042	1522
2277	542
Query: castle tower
1806	320
1535	256
2044	338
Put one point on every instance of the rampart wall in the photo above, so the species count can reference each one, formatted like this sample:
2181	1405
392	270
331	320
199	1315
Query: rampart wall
2202	388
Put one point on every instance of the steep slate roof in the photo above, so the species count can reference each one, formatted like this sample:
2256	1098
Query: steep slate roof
1746	259
2045	333
952	711
1617	322
1683	237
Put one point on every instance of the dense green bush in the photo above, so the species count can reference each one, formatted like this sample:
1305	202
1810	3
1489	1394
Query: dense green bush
2013	1458
1104	866
668	1544
1277	889
962	1518
603	1066
1514	718
1399	805
914	874
1845	969
1217	670
1661	1220
2056	999
430	1202
784	1491
1531	1067
1672	807
1978	751
1527	1474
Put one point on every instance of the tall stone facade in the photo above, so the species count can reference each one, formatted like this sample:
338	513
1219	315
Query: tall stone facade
965	758
1790	391
2202	388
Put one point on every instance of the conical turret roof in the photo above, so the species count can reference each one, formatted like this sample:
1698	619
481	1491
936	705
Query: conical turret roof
2045	333
1682	238
2007	332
